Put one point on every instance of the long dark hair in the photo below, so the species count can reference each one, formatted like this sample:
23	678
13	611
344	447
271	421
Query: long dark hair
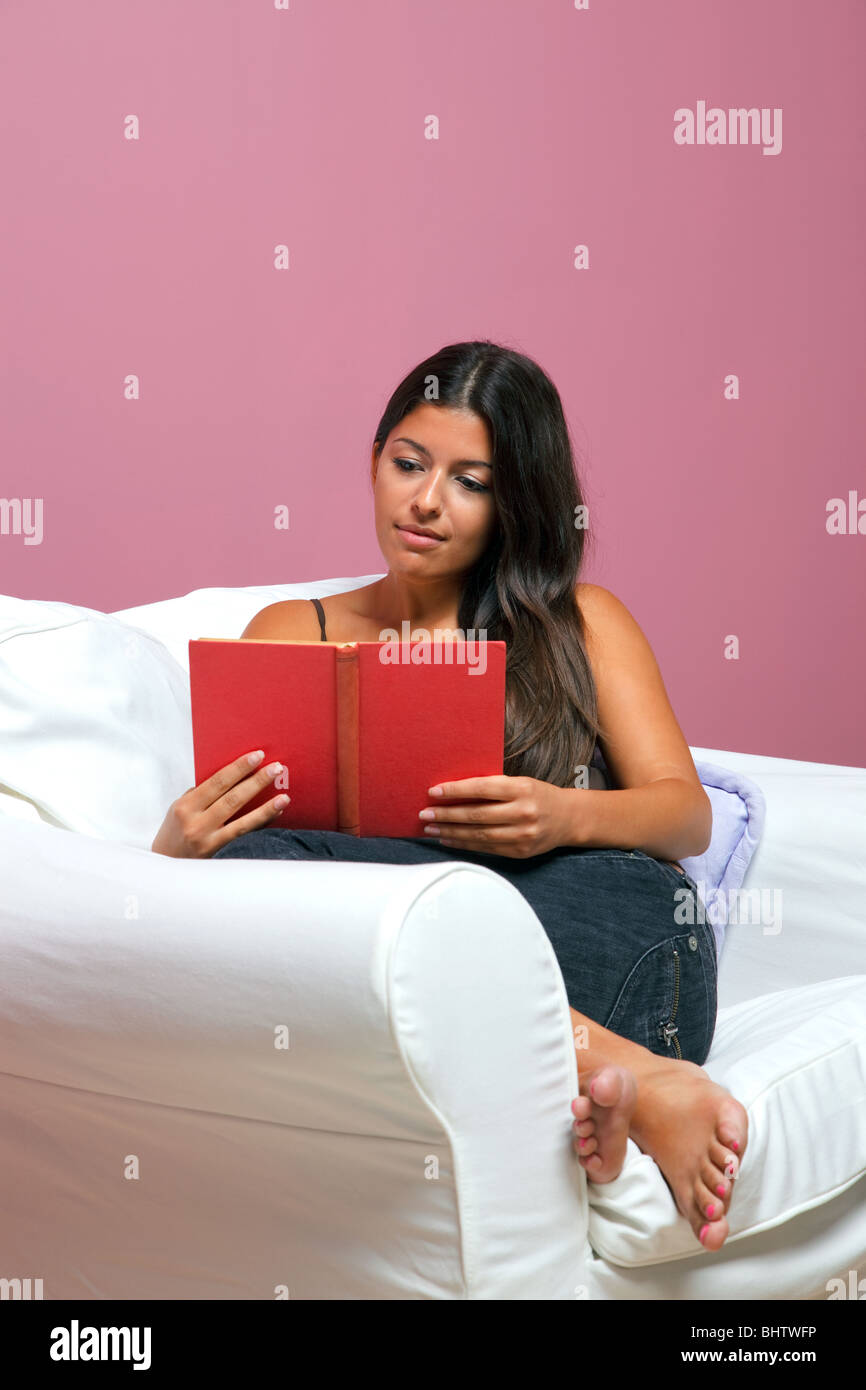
522	590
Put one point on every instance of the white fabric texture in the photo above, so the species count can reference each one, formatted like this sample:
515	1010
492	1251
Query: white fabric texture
405	1144
94	721
801	918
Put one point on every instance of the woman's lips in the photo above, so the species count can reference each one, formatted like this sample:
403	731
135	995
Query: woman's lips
421	542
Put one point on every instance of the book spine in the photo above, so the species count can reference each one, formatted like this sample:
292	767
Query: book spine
348	789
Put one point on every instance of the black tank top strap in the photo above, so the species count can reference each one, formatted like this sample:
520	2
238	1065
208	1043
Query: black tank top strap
321	612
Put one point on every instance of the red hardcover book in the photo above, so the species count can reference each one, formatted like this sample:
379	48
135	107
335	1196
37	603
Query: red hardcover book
363	728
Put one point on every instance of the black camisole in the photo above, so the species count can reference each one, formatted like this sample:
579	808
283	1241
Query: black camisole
321	612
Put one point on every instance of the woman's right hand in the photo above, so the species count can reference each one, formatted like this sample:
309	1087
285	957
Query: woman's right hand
195	825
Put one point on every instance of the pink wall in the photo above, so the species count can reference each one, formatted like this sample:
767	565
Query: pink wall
304	124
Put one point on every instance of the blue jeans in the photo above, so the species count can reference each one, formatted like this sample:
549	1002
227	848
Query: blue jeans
609	913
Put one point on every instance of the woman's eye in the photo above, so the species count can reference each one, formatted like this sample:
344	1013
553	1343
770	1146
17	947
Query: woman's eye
475	486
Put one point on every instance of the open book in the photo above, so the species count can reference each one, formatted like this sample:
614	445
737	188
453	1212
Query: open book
363	728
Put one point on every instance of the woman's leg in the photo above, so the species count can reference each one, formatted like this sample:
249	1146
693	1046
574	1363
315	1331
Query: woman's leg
610	916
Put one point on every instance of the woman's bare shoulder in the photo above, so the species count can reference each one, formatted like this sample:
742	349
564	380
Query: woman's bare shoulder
291	619
599	608
611	632
297	619
594	594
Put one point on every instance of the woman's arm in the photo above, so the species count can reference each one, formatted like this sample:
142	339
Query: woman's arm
659	805
667	819
661	808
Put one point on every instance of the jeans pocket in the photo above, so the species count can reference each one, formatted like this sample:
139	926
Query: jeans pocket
612	853
670	873
668	1001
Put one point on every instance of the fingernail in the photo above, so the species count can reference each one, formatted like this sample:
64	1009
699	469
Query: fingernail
255	758
704	1230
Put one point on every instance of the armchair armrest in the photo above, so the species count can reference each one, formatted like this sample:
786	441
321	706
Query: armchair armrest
221	1079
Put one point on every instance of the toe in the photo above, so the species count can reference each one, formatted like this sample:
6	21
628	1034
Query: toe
721	1187
720	1155
725	1160
585	1147
606	1085
732	1128
710	1207
581	1107
712	1234
715	1182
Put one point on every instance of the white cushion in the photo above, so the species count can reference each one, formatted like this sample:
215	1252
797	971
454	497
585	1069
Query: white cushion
806	880
797	1061
95	722
19	807
222	612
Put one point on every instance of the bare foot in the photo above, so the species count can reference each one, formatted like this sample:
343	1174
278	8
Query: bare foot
697	1133
602	1115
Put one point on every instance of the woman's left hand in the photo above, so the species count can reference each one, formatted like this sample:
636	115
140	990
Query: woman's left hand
518	817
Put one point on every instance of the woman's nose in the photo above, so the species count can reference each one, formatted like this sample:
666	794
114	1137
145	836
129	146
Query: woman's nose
427	498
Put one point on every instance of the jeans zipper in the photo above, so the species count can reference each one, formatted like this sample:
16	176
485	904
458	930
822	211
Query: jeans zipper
669	1030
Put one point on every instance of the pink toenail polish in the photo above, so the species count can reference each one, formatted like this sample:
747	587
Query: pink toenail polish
735	1146
582	1142
710	1210
704	1230
720	1190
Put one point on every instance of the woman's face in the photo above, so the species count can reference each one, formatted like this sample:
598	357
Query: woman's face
434	472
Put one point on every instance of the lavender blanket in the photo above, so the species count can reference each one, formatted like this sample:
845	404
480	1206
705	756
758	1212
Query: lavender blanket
739	808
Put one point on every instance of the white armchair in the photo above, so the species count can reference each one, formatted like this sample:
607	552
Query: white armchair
224	1079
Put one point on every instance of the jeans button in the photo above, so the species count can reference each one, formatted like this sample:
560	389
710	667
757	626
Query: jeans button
693	943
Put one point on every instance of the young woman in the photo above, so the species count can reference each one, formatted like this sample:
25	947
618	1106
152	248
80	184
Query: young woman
478	515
